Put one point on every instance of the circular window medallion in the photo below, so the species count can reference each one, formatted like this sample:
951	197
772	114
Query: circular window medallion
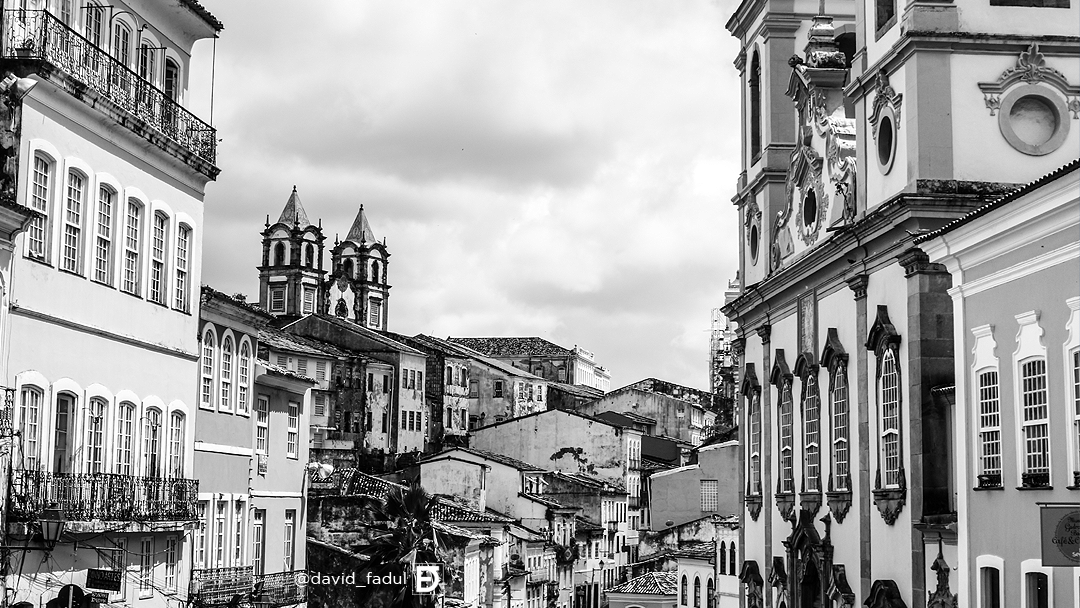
754	237
1033	120
885	137
810	209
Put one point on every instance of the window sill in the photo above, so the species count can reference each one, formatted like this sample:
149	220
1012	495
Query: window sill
37	260
137	296
1034	488
103	283
73	273
884	28
987	488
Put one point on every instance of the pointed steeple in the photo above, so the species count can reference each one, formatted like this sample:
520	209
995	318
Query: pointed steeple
294	213
361	229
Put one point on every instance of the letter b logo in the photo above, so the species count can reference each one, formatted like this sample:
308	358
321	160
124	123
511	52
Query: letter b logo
427	579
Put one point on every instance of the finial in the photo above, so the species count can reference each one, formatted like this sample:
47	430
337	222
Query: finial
320	223
294	185
821	7
267	220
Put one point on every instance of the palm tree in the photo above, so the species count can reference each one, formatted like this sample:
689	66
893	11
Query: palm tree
401	533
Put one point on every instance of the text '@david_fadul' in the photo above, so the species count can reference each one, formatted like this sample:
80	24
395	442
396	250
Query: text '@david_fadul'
425	579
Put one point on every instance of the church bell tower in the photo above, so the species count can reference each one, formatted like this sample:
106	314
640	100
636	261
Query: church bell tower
357	288
290	277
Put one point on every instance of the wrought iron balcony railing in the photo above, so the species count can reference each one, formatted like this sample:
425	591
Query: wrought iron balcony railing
540	575
279	589
103	496
8	407
220	586
40	35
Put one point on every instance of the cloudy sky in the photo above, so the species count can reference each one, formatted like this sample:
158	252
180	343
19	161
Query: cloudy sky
562	169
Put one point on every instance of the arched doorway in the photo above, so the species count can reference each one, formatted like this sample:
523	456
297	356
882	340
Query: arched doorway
810	588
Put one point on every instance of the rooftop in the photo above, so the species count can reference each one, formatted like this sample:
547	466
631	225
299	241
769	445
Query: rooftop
492	456
457	350
578	390
514	347
277	370
201	11
650	583
279	340
358	483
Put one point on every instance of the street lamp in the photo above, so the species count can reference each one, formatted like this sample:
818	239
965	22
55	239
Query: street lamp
52	523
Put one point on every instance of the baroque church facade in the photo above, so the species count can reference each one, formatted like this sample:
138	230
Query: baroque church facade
863	128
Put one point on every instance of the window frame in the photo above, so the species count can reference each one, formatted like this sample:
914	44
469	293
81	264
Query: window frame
226	365
989	562
126	441
292	442
134	217
785	409
39	198
1031	350
153	444
104	234
182	276
176	448
262	424
30	423
841	429
158	283
811	427
278	298
243	379
710	495
73	222
146	567
208	369
94	438
889	367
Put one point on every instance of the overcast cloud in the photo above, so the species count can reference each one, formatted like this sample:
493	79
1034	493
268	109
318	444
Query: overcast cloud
561	169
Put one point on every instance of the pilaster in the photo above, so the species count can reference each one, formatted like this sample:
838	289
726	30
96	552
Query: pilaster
858	285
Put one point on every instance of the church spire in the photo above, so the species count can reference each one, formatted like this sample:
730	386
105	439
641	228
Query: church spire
361	229
293	213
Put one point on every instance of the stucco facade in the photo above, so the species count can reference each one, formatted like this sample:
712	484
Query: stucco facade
683	494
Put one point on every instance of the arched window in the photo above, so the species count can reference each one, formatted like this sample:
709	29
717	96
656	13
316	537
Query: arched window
40	227
95	435
685	595
74	207
347	268
890	419
279	255
1036	427
176	445
449	376
64	433
374	271
207	393
171	86
226	373
811	433
152	442
132	246
104	226
723	557
697	592
125	436
754	414
147	62
310	255
30	401
710	594
755	106
121	44
243	379
732	560
787	477
183	260
839	397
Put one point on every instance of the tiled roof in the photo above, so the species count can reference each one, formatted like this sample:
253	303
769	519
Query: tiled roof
361	229
587	525
459	350
648	464
276	339
651	583
1011	196
492	456
293	213
514	347
578	390
356	328
355	482
543	500
209	293
201	11
277	370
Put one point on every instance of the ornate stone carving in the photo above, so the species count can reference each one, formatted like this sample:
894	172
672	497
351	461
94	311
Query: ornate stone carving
858	284
1030	68
915	261
763	332
785	502
753	505
839	590
886	97
810	502
750	576
890	501
941	597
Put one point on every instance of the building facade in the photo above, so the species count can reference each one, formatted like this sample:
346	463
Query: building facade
544	359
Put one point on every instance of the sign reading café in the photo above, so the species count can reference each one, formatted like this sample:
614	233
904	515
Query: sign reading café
1061	536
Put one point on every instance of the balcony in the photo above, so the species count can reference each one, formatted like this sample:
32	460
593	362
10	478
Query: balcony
103	496
7	408
539	576
279	589
218	586
40	36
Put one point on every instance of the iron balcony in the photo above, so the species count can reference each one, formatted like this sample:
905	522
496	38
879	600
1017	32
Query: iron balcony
222	586
103	496
39	35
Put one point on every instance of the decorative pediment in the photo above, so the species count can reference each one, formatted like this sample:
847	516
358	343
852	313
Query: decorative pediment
780	372
805	365
833	354
882	333
839	590
886	97
884	594
750	575
778	573
750	382
1030	68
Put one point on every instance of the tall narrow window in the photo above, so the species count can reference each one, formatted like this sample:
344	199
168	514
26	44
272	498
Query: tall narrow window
147	59
171	86
787	468
375	312
176	445
220	522
172	557
1036	424
755	106
1038	590
710	594
243	378
262	424
65	12
40	194
990	587
71	260
257	538
183	249
121	44
277	299
989	429
754	414
199	549
125	436
812	434
158	278
132	245
886	13
103	247
1075	360
839	396
293	437
152	442
290	530
29	424
63	433
207	392
309	300
890	419
95	436
226	373
722	562
697	592
684	594
146	567
238	533
733	557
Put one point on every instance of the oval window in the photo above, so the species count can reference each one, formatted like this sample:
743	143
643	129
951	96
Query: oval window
809	209
753	242
1033	120
885	142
